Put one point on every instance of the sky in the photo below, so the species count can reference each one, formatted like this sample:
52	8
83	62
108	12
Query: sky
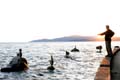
26	20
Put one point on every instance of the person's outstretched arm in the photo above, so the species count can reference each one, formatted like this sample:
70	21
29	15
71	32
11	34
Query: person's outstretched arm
102	33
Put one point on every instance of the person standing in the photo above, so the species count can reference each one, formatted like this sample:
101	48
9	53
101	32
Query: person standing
51	67
108	35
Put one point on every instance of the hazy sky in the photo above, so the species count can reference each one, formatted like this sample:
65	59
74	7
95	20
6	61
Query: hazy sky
25	20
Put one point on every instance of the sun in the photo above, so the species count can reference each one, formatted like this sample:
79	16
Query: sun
100	38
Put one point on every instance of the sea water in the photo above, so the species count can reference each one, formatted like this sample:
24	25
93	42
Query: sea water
82	66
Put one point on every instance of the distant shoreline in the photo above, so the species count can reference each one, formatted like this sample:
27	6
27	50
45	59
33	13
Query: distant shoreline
75	39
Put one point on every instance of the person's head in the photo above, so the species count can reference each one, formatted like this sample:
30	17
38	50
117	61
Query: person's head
20	50
18	54
67	53
107	27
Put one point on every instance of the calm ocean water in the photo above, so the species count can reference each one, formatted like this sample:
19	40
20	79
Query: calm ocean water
83	67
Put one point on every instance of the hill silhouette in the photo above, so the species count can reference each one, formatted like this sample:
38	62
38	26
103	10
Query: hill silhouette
74	38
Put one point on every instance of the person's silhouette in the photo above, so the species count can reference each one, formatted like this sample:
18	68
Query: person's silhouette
67	55
20	52
108	35
51	67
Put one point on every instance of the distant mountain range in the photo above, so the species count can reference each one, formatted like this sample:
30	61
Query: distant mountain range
74	39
